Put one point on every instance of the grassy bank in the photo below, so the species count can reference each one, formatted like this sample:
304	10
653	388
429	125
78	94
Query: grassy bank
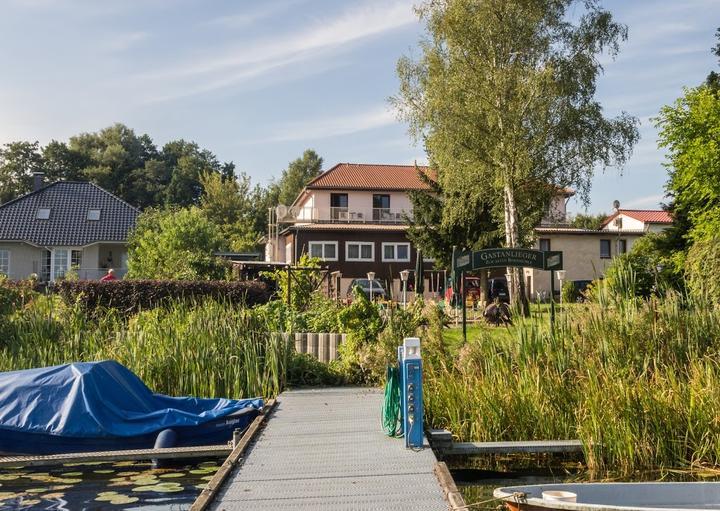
637	381
205	349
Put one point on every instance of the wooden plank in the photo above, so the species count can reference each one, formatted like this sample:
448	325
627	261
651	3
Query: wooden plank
202	451
208	494
529	446
447	483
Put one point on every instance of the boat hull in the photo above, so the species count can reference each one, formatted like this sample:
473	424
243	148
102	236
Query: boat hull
614	497
215	432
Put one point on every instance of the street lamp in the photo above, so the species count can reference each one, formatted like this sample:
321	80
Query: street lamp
404	278
618	225
561	277
371	277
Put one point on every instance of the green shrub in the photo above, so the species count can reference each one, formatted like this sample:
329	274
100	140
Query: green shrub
136	295
702	269
569	292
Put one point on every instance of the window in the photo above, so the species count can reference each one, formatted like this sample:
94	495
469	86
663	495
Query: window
93	214
46	265
60	262
544	244
75	259
622	246
396	252
5	262
605	249
359	251
339	206
326	250
43	213
381	207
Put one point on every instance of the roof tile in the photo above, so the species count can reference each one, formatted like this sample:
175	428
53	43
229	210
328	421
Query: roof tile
68	226
361	176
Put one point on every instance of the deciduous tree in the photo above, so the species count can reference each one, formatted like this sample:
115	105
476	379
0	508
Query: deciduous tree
503	98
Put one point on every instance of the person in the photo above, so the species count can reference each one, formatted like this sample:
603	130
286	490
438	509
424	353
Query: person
109	276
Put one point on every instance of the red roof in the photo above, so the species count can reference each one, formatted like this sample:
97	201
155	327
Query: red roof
362	176
649	216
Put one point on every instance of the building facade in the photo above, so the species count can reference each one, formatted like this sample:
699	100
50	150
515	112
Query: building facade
353	217
65	226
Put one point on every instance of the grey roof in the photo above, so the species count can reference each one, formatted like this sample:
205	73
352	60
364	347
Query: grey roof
69	202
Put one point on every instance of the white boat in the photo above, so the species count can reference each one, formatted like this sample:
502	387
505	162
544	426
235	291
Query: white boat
611	497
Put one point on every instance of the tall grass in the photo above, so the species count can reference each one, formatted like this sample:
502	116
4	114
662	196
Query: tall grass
207	349
638	381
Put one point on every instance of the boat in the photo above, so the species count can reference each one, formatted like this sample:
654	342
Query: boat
103	406
612	496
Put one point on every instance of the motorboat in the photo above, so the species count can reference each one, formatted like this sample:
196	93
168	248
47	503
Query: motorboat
103	406
655	496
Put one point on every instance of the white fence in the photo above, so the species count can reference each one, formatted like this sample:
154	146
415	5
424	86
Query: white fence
324	347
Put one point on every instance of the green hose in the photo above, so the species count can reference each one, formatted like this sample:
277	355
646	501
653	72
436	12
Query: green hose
391	418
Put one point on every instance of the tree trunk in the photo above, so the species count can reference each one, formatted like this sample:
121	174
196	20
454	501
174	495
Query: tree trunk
516	285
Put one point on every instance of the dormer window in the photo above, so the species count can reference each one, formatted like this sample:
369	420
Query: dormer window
93	214
43	213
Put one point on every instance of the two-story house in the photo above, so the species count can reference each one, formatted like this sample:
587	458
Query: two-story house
352	216
588	252
64	226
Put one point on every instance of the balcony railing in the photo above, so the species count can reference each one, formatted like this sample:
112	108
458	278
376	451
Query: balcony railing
345	215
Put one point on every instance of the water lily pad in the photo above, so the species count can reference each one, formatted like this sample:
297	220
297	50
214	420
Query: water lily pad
71	474
126	474
37	490
124	499
6	495
207	478
172	475
56	495
124	464
10	477
106	496
103	471
30	502
160	488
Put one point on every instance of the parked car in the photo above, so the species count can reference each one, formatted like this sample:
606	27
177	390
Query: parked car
378	290
498	290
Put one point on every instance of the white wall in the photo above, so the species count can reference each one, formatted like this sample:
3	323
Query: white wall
24	259
628	224
318	201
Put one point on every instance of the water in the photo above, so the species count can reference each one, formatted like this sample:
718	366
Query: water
121	485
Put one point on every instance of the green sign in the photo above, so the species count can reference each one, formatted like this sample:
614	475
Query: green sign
504	257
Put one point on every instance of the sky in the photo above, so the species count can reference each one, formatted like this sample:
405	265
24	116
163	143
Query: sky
258	82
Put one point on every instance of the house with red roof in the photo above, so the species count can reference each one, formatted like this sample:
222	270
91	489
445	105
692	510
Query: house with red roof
588	252
352	216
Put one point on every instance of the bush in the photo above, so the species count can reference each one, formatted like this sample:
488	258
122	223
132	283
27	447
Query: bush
135	295
14	294
570	293
702	269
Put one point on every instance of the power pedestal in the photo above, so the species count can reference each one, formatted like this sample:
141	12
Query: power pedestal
410	363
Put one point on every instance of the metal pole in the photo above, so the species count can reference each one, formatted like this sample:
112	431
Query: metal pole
289	286
464	312
404	294
552	301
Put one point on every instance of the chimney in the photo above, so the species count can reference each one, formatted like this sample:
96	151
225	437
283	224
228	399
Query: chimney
38	180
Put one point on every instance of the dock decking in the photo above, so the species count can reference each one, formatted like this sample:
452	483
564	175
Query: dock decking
325	449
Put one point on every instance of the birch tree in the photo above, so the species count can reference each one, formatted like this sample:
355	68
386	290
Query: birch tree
503	98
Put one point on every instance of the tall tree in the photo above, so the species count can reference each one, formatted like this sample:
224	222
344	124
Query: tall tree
297	175
504	99
18	161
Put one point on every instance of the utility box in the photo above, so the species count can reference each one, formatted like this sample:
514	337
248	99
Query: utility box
412	399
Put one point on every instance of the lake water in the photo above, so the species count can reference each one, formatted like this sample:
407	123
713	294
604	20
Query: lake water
122	485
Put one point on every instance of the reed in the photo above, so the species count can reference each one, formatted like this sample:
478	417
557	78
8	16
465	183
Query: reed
638	381
208	349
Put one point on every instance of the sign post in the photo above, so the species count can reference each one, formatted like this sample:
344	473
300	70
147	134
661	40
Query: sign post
465	260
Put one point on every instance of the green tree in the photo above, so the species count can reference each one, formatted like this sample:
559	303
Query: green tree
18	161
227	202
428	232
177	244
590	221
298	173
504	99
59	162
690	130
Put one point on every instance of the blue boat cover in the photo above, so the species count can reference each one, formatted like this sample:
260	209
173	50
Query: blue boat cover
99	399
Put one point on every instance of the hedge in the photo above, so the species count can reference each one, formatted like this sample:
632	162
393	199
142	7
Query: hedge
134	295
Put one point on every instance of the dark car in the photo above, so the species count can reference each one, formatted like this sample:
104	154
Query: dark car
378	290
498	290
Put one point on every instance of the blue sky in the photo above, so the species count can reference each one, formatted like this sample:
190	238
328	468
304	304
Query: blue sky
257	82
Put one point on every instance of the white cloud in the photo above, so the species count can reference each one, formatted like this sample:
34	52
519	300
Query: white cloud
327	127
648	201
246	18
237	63
122	42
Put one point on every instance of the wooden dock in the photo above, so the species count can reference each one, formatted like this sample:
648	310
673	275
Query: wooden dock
324	449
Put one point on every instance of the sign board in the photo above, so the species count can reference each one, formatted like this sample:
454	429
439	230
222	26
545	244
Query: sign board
508	257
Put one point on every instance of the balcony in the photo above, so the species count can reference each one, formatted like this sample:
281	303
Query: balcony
344	215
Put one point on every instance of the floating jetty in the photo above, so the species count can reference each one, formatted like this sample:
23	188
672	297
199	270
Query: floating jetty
325	449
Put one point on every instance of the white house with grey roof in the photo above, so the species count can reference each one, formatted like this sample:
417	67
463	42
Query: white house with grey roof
62	226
